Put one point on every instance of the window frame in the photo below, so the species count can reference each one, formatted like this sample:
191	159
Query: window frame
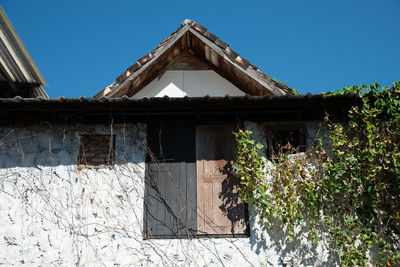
270	128
82	161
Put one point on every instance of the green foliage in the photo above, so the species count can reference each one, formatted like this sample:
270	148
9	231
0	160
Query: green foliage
351	190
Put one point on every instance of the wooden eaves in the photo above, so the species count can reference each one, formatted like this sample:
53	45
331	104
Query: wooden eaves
206	109
196	40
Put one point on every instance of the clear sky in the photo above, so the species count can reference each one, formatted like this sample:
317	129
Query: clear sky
80	47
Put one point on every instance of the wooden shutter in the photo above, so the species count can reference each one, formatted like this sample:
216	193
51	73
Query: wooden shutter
170	201
220	210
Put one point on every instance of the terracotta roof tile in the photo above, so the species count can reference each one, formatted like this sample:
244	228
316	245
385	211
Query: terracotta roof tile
198	28
145	58
242	61
221	43
210	36
134	67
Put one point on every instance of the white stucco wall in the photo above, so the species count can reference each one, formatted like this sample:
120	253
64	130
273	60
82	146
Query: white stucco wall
54	214
192	83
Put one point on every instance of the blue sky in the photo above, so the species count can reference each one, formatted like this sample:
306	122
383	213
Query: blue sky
82	46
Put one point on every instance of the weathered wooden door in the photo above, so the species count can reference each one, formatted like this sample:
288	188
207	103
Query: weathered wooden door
170	199
219	210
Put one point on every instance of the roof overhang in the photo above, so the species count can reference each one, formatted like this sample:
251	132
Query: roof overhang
202	110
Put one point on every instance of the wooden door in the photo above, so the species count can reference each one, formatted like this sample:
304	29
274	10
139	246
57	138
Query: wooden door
170	199
219	210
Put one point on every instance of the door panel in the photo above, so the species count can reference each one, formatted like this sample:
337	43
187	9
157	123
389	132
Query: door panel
220	210
170	202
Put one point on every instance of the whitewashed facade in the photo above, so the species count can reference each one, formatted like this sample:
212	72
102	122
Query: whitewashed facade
54	213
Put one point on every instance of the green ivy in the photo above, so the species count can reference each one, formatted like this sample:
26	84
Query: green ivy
350	191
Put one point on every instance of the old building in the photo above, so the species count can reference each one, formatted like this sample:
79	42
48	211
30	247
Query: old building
142	174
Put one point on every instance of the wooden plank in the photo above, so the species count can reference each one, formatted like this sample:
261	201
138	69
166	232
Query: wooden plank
172	197
148	203
161	223
217	191
187	61
182	198
208	206
191	195
155	211
200	192
173	165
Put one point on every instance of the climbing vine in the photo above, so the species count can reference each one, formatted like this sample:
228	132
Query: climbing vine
346	188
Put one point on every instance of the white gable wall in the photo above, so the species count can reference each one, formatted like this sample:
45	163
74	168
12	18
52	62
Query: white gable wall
192	83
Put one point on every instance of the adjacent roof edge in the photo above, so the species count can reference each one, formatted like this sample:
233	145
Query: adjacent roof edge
40	92
22	47
201	32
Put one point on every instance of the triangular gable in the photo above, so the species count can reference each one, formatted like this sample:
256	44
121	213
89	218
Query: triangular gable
191	83
192	46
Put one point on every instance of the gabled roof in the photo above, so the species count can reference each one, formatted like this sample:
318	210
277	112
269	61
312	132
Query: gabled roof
193	39
18	72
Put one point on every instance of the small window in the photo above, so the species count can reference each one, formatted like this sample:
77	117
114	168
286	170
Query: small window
96	150
289	139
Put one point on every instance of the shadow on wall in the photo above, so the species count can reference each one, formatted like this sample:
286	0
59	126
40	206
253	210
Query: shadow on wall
39	146
58	145
297	252
232	206
275	239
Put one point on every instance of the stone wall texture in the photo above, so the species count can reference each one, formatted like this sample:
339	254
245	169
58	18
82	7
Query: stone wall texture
54	212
